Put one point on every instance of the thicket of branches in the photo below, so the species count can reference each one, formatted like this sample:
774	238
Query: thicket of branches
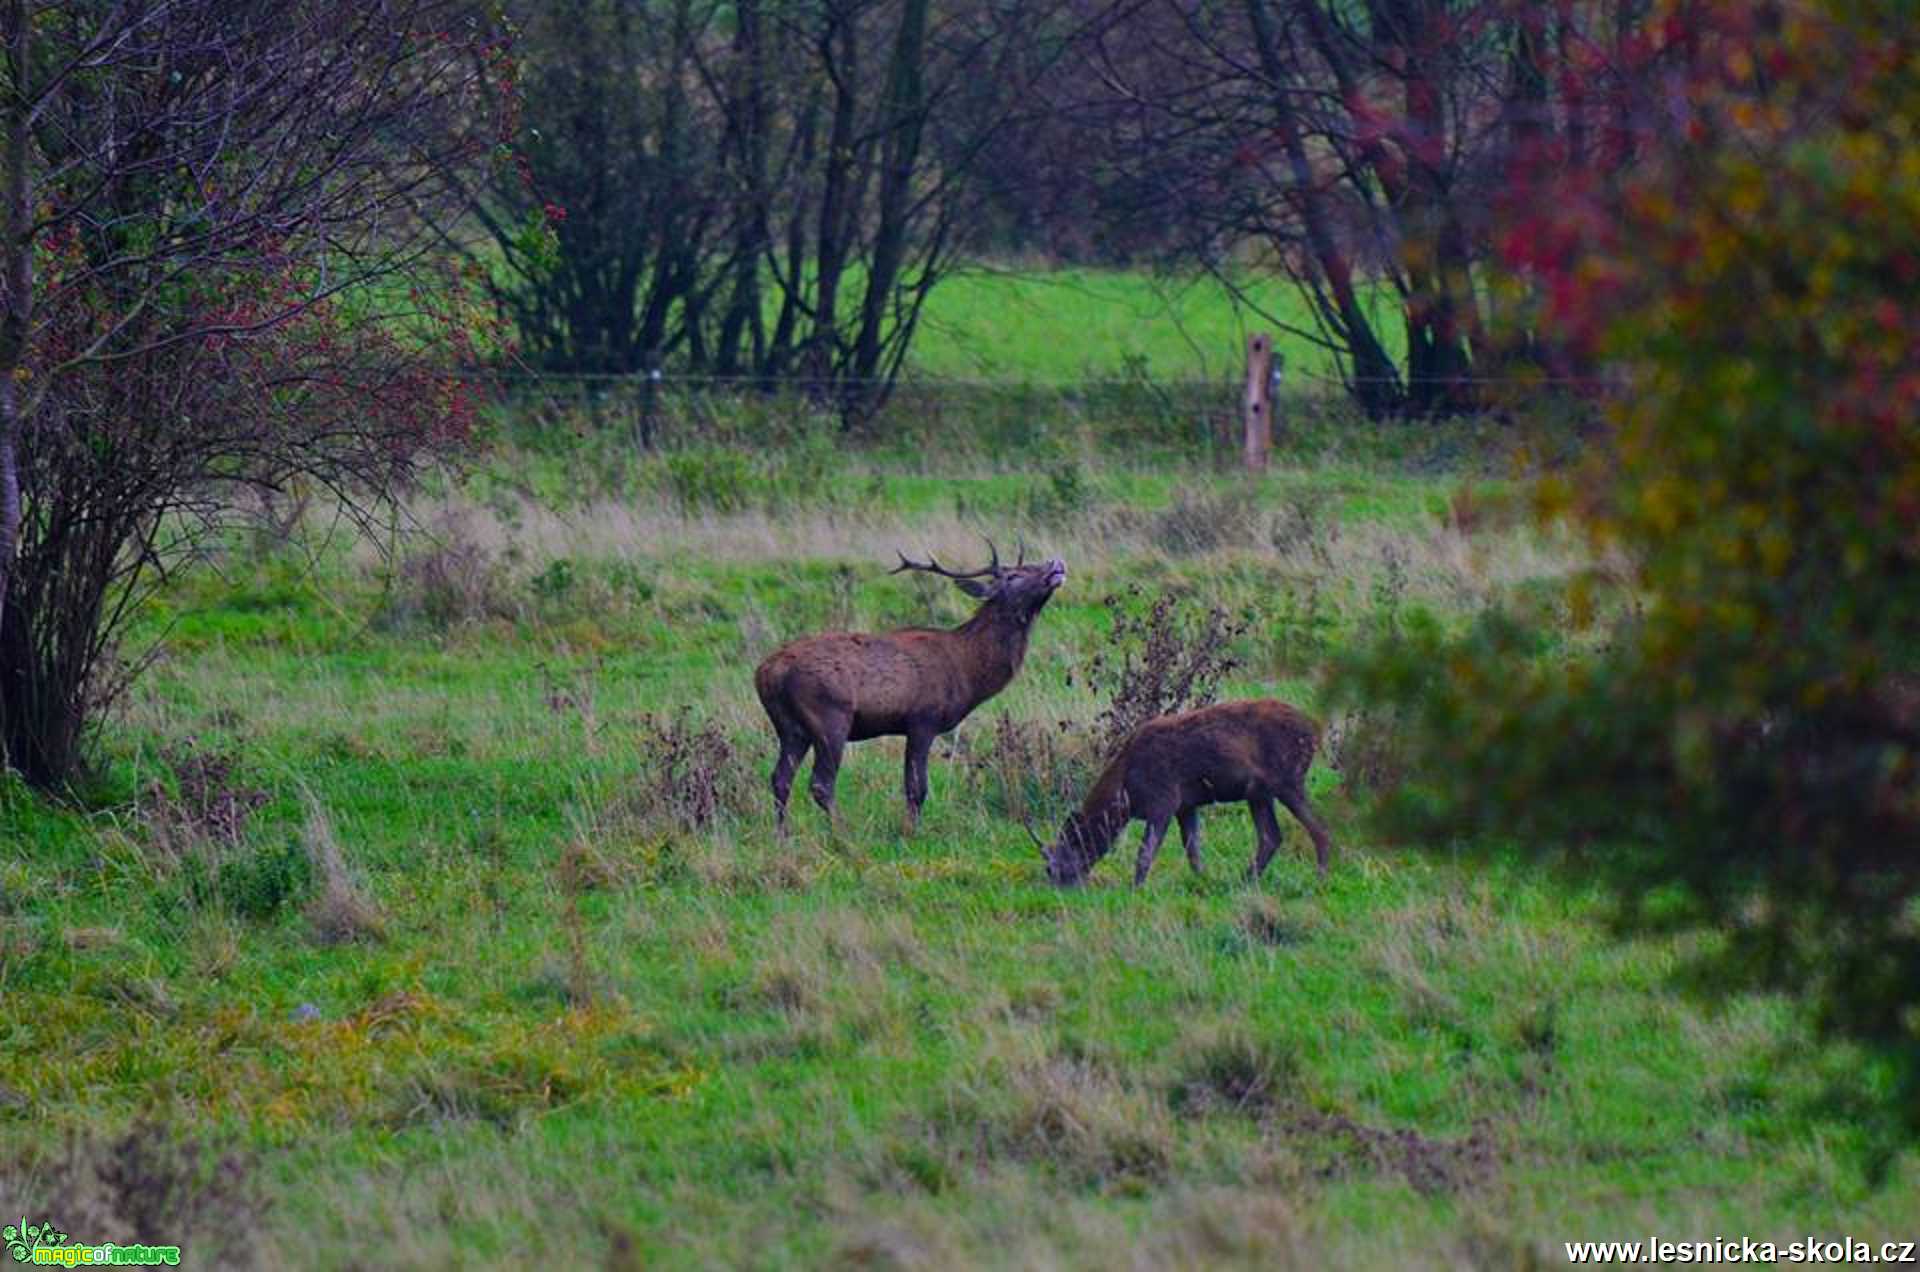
762	190
1367	151
213	288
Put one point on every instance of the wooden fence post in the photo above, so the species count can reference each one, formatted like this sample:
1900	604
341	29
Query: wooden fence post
1276	404
1259	401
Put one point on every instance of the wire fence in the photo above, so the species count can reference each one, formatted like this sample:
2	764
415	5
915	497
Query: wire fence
663	408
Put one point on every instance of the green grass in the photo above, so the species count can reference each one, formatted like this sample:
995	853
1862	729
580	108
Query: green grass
566	1020
1066	325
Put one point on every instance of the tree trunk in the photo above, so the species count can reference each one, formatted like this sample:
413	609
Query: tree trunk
1376	384
906	112
17	264
831	244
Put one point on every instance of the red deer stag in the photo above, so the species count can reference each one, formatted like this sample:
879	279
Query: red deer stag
1167	768
822	692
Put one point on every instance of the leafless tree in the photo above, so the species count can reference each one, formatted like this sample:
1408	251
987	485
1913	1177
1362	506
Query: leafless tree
765	190
212	286
1368	148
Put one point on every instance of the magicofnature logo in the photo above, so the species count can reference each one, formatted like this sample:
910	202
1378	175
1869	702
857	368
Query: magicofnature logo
44	1244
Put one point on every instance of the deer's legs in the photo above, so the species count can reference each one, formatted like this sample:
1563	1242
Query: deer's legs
1295	798
1190	836
919	743
1267	827
829	740
1149	848
793	748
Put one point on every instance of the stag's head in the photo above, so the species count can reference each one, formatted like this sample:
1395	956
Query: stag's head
1019	590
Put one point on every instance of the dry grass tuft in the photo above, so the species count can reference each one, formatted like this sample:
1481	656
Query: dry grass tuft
895	1246
1029	772
1429	1166
1074	1116
458	577
1229	1070
1222	1227
1269	924
837	963
340	910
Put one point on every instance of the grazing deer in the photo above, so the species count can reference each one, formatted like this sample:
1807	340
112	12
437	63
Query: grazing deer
1257	751
822	692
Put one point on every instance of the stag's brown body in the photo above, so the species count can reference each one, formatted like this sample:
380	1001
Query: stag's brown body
1168	768
822	692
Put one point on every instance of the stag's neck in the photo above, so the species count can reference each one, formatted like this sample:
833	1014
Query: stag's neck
1001	641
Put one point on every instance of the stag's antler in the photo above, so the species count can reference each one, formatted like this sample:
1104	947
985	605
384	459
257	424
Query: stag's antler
932	566
989	571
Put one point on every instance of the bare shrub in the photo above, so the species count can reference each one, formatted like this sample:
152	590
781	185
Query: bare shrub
691	772
340	910
1029	771
1158	662
456	578
204	805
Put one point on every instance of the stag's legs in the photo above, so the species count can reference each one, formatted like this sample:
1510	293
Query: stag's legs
829	740
1267	827
1190	836
793	748
1295	798
918	745
1149	848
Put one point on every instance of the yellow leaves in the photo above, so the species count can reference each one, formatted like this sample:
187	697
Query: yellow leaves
1552	498
1739	64
1663	504
284	1075
1776	549
1580	606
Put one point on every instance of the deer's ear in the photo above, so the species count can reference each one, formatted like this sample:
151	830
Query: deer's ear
974	587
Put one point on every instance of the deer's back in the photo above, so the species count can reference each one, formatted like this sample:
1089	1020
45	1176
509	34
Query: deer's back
885	679
1228	751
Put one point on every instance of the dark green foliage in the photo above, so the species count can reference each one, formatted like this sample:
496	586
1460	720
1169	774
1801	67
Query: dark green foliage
260	882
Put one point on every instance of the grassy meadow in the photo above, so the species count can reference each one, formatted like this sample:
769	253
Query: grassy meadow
1008	324
428	910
